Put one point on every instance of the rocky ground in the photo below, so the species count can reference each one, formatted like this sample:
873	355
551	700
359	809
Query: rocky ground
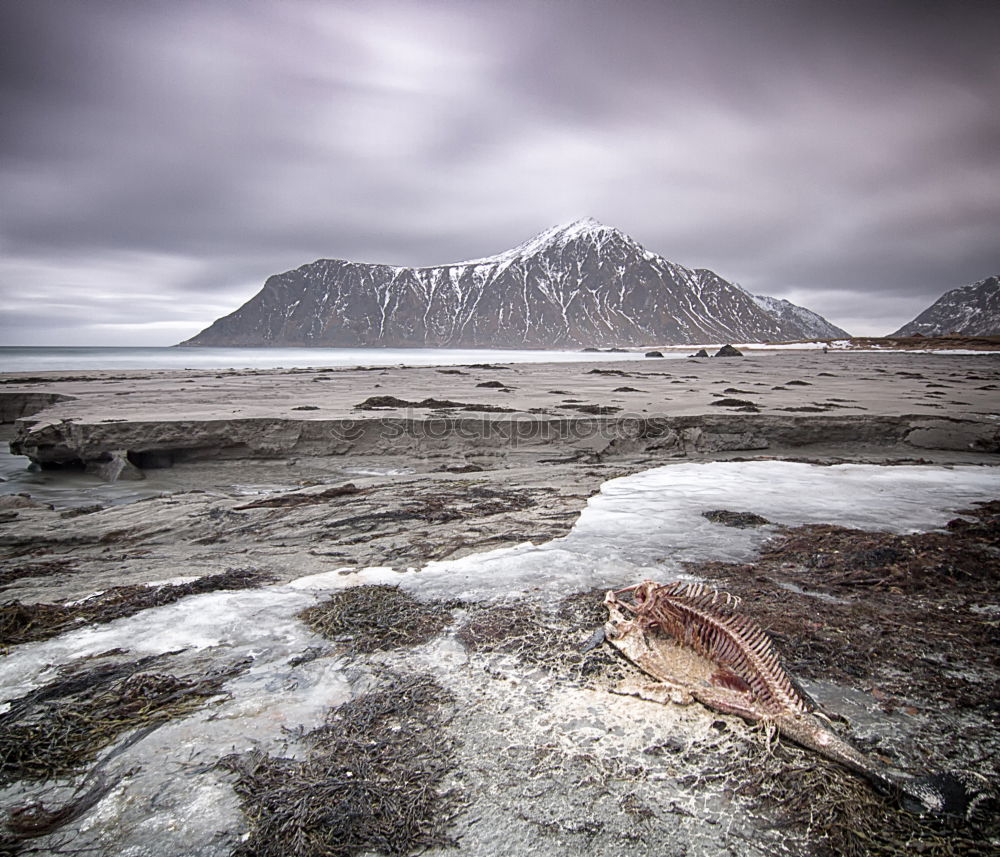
475	727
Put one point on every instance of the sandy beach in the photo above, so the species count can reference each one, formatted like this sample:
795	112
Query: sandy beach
919	400
315	480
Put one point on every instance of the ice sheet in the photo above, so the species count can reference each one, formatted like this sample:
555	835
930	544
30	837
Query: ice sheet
651	523
173	803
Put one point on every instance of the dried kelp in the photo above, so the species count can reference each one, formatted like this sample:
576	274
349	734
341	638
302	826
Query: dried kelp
35	819
809	796
36	568
840	557
551	638
372	780
59	728
379	617
901	613
22	623
303	498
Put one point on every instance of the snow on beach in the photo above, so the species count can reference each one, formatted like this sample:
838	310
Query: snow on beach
62	359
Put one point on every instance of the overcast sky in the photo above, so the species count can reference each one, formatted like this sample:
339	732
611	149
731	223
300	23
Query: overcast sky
158	160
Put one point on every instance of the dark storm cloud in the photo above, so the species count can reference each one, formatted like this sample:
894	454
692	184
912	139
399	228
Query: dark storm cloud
159	160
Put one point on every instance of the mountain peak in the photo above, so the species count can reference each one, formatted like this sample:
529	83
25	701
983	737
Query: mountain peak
555	236
584	227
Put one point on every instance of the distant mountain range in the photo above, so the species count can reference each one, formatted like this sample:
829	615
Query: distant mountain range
972	310
577	285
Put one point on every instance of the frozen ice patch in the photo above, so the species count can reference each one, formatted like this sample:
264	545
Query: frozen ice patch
651	524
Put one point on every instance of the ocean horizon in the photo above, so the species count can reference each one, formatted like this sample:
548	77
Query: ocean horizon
42	358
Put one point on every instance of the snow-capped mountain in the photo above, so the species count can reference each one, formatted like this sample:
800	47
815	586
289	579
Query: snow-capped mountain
972	310
813	325
581	284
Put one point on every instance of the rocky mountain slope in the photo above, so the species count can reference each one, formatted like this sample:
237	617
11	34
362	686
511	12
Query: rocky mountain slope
972	310
580	284
812	324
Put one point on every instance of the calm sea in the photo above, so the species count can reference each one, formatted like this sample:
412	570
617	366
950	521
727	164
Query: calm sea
48	359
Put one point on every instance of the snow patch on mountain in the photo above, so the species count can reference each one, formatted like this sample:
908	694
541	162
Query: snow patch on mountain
812	323
972	310
555	237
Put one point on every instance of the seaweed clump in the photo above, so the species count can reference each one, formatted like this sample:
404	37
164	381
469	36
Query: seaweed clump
551	638
904	616
60	727
378	617
840	814
41	568
23	623
372	780
836	558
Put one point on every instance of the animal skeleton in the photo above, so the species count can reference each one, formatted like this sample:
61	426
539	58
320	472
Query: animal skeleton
698	646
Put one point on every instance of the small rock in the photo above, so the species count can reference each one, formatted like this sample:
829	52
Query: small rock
701	352
740	520
654	353
734	403
461	468
21	501
728	351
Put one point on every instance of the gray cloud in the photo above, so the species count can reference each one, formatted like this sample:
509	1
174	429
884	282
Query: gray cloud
172	156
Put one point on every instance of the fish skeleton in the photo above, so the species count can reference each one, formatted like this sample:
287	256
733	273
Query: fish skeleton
698	646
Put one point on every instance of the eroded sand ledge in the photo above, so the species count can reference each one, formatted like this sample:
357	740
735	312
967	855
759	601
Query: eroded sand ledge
515	413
